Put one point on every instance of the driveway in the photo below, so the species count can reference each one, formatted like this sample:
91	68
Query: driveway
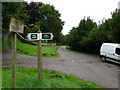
81	65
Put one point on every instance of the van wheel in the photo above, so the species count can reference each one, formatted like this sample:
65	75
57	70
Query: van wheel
103	59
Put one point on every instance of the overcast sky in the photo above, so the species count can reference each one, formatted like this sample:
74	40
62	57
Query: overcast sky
72	11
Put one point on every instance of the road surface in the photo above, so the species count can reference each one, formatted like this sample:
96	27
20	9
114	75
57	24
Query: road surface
81	65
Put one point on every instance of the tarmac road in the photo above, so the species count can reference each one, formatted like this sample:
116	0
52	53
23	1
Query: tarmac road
81	65
85	66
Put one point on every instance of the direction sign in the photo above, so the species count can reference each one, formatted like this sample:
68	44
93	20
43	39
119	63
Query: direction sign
46	36
40	36
33	36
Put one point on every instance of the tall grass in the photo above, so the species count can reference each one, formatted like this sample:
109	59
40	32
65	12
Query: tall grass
28	78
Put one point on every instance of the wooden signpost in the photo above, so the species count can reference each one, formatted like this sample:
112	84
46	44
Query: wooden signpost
38	37
14	60
39	45
16	25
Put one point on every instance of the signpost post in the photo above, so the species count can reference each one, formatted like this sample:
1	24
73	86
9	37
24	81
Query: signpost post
39	45
14	60
16	25
38	37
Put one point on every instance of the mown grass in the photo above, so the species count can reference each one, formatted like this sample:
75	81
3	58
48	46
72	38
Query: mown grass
27	49
28	78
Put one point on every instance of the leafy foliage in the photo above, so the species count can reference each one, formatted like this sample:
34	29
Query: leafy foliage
50	21
78	35
115	26
89	37
10	9
33	11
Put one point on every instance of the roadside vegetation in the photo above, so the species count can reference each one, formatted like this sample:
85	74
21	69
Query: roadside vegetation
28	49
88	36
28	78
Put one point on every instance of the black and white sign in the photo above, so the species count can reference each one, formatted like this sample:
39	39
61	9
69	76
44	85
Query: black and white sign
46	36
40	36
33	36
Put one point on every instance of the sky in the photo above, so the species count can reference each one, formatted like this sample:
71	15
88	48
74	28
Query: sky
72	11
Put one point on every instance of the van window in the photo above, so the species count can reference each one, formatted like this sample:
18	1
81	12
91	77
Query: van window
118	51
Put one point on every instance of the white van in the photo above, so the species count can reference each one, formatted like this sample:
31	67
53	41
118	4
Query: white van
110	51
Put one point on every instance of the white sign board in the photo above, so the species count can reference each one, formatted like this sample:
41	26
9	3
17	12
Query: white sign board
16	25
33	36
46	36
40	36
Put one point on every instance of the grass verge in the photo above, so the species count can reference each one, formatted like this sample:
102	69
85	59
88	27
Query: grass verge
27	49
27	78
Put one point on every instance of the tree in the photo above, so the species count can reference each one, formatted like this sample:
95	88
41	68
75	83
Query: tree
77	35
89	37
10	9
73	38
85	26
50	21
115	26
33	11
